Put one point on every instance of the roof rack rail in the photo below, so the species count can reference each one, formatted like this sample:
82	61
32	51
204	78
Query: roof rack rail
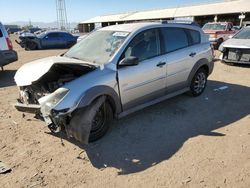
188	22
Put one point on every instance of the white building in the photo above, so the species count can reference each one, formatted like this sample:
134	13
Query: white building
227	10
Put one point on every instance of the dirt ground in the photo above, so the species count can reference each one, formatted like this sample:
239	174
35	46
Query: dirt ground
182	142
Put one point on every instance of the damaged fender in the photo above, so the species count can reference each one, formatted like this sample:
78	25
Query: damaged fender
81	123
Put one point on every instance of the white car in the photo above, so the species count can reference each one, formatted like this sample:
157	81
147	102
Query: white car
7	54
237	49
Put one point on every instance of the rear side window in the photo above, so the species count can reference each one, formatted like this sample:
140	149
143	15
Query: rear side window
53	35
174	39
195	37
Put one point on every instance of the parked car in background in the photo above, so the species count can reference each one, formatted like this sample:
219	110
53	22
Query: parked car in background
112	72
237	49
12	28
34	29
81	37
7	54
218	32
48	39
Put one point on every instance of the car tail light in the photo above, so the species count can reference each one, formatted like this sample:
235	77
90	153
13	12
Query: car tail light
9	43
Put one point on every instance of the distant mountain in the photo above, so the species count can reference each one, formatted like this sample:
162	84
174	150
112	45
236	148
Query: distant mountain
40	24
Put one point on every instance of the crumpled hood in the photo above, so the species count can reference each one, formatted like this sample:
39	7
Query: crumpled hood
236	43
34	70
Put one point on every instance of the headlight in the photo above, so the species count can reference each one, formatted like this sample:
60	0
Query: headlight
50	101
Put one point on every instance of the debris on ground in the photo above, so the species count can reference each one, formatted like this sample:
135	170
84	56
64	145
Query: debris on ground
187	180
221	88
4	168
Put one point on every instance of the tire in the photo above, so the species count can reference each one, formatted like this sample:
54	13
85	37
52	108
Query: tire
31	46
199	82
218	44
101	122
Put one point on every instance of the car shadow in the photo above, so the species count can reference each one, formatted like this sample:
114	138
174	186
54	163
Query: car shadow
7	78
156	133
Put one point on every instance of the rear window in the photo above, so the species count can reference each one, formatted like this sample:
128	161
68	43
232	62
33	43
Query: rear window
195	37
174	39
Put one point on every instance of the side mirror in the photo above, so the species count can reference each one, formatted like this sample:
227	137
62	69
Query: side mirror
129	61
230	36
46	37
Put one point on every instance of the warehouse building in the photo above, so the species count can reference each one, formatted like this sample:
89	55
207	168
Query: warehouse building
236	11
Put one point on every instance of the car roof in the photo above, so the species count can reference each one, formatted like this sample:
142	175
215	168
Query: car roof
131	27
55	31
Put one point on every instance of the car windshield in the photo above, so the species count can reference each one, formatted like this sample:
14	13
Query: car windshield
98	47
41	35
243	34
214	26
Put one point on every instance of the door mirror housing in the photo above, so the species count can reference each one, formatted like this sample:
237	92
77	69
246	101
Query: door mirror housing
129	61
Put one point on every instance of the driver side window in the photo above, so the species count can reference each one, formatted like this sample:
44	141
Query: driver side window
144	46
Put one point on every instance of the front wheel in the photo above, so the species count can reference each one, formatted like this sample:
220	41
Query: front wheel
101	122
199	82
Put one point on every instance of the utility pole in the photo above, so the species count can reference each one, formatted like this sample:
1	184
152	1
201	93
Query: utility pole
62	21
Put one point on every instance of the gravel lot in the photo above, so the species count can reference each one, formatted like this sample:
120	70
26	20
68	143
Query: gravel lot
182	142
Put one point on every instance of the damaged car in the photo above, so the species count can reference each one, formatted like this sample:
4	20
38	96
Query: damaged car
237	49
113	72
47	40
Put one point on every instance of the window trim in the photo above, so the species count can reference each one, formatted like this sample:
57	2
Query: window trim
158	45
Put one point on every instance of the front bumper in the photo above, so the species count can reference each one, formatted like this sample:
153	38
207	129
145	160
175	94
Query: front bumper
28	108
236	55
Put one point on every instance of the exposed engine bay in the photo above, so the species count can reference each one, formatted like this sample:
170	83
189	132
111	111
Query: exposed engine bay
56	77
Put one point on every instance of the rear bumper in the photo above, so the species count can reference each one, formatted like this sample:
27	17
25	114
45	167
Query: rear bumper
28	108
7	56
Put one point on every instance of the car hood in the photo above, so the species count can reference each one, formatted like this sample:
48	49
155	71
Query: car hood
211	31
34	70
237	43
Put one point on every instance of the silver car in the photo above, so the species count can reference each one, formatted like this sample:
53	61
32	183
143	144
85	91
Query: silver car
113	72
237	49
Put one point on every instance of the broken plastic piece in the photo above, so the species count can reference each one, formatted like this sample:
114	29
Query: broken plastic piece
4	168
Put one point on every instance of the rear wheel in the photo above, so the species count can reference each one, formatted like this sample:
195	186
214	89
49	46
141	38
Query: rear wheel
199	82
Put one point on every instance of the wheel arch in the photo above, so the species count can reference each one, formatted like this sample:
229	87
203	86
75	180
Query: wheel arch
98	91
202	63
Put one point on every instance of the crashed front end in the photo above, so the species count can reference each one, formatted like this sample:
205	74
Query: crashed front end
44	92
235	55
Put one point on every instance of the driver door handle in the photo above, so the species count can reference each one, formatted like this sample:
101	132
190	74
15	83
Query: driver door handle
161	64
192	54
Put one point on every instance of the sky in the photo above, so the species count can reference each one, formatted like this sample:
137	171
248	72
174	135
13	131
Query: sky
79	10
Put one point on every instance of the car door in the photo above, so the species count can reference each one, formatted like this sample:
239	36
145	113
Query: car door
179	57
63	40
145	81
51	40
